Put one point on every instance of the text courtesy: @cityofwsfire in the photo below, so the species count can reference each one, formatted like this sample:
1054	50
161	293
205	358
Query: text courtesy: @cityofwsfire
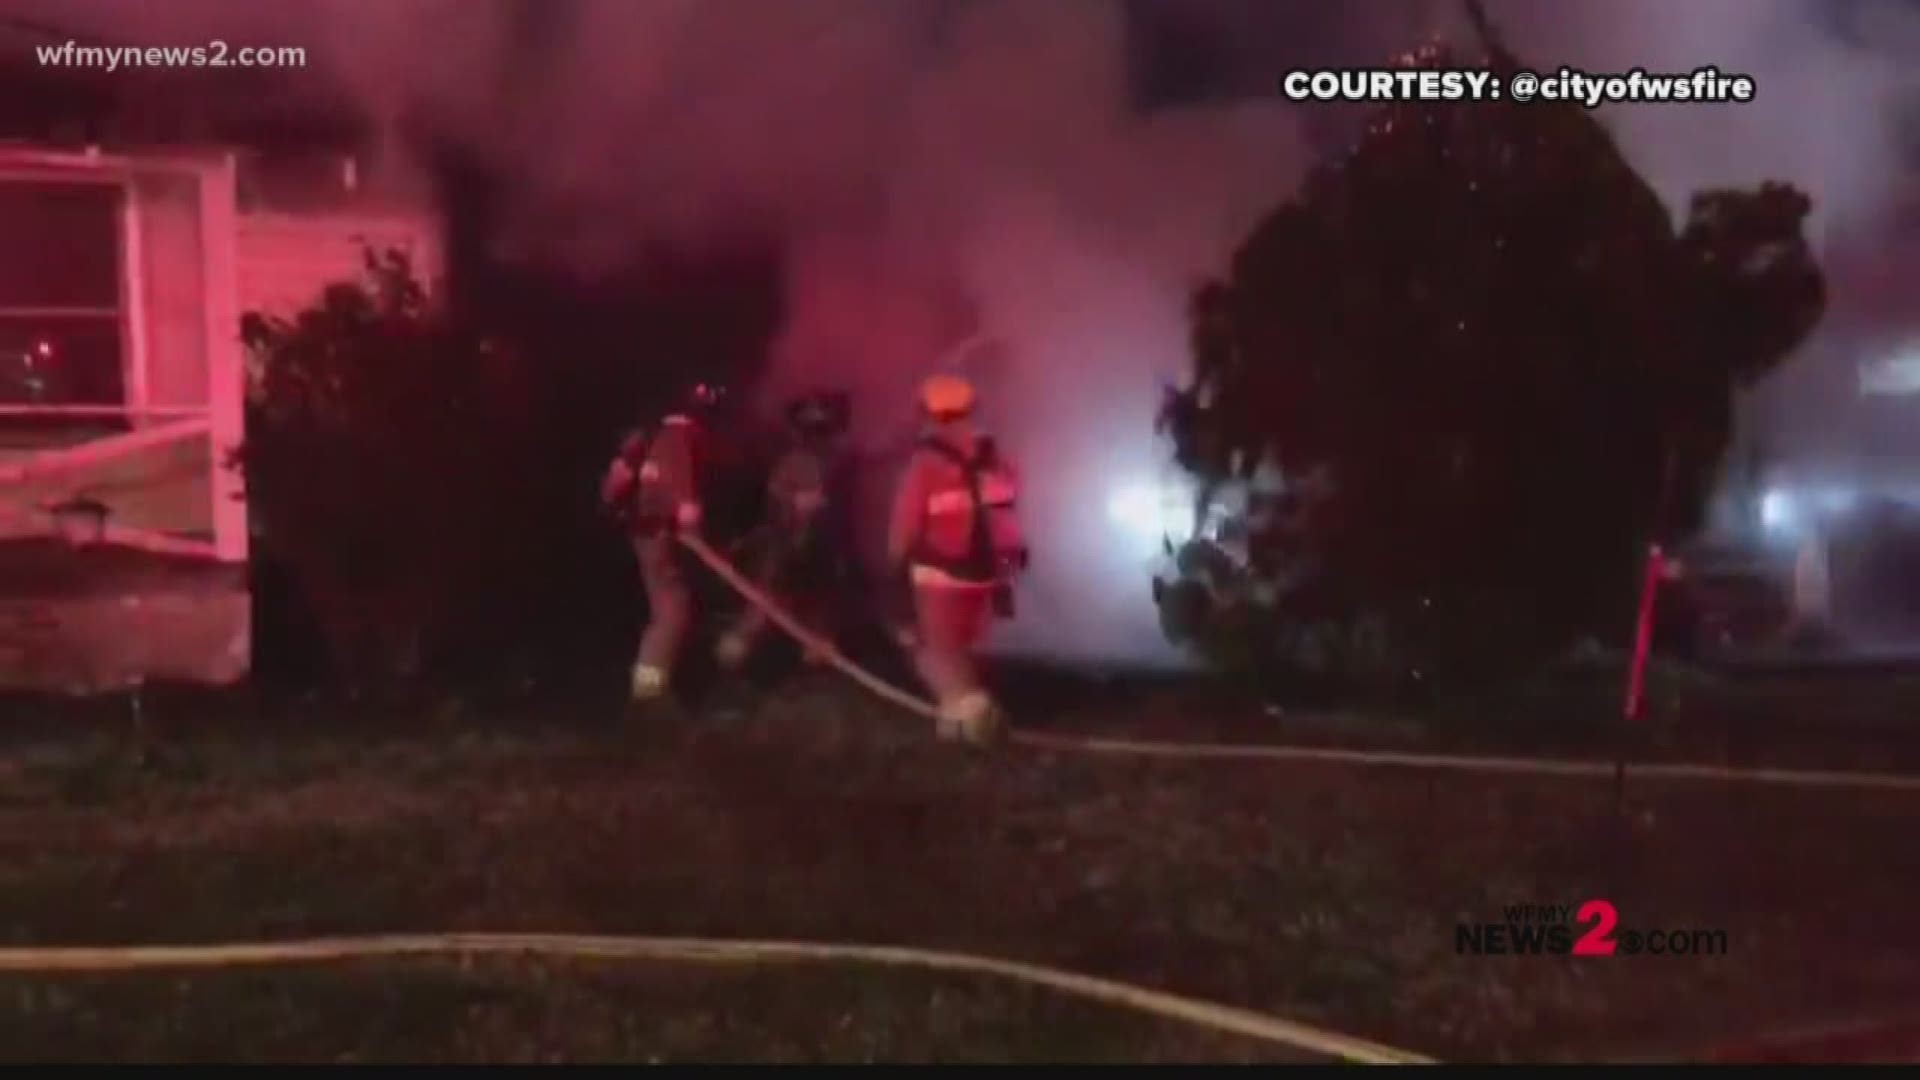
1706	85
214	54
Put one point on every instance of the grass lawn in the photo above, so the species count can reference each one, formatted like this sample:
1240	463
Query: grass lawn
530	1012
1835	719
1323	894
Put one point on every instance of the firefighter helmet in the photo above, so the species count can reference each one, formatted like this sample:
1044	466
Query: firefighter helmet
705	397
822	413
947	397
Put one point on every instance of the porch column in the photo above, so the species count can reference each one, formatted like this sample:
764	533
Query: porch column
226	366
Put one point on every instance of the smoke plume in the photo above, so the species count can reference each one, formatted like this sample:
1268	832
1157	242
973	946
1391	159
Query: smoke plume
945	169
940	170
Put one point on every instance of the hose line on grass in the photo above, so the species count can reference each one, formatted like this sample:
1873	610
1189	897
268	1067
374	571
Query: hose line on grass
773	610
1594	770
717	563
1221	1018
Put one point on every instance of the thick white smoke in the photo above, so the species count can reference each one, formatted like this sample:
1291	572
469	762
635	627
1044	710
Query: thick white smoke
951	167
1070	230
942	170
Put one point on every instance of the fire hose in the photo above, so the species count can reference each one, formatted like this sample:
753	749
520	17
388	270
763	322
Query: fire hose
824	648
1241	1022
814	642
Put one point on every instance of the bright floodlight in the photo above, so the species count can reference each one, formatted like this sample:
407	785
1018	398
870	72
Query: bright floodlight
1150	512
1776	511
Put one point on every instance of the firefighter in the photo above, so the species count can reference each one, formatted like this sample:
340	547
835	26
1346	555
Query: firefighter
804	554
655	486
954	536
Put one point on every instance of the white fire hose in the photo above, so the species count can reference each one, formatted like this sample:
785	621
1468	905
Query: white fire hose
1215	751
816	643
1221	1018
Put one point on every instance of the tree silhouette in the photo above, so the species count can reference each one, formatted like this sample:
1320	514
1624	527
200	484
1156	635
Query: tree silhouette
1482	339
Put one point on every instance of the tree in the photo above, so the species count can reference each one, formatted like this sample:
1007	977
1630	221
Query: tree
1484	338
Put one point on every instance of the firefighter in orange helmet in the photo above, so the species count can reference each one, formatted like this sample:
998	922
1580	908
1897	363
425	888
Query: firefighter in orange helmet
955	536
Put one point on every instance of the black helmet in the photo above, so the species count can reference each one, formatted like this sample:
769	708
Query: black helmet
823	413
704	398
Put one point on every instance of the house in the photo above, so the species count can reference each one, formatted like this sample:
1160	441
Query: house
124	272
1823	486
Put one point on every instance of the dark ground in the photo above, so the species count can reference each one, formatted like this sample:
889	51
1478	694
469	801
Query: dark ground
1319	893
528	1012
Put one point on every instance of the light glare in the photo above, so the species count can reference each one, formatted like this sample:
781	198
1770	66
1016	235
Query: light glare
1151	512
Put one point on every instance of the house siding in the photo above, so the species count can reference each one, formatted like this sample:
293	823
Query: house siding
100	619
288	260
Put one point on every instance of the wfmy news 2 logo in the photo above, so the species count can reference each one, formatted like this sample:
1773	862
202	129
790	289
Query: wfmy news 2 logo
1587	929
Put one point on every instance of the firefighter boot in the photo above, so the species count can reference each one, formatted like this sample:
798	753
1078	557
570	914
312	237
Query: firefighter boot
732	651
971	718
647	684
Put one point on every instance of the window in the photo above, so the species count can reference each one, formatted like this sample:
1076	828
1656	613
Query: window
61	341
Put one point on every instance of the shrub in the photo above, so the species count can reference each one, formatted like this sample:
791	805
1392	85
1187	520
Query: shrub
1503	369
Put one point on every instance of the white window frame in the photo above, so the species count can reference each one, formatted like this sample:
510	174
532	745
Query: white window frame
126	311
222	417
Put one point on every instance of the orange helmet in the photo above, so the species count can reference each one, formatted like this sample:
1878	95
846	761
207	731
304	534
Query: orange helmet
946	397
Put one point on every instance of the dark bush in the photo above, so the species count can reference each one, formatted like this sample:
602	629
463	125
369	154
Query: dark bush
423	485
384	467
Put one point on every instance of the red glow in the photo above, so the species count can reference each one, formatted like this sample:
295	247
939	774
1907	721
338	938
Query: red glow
44	348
